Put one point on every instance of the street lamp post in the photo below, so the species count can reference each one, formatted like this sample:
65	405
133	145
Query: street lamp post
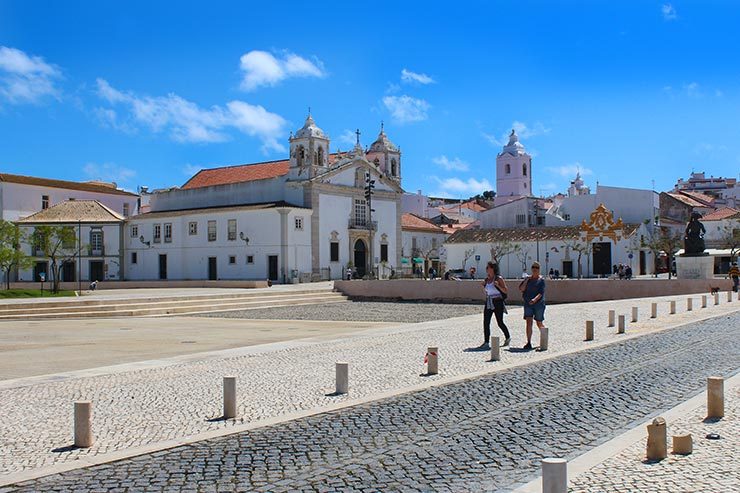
369	190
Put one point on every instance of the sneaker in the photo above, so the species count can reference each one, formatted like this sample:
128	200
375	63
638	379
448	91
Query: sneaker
507	341
527	346
484	347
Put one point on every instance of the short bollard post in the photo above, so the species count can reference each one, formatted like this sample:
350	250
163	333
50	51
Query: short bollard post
554	476
654	310
715	397
673	307
716	298
229	397
342	371
432	360
544	335
495	349
689	304
729	296
634	314
704	301
620	328
83	424
683	444
612	314
657	443
589	330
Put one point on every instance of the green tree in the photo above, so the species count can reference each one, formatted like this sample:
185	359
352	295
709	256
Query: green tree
11	255
59	245
731	238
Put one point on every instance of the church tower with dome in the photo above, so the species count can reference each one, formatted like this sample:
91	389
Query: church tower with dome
513	171
309	150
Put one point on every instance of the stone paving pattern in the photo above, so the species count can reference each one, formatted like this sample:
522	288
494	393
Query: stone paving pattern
141	407
481	434
714	465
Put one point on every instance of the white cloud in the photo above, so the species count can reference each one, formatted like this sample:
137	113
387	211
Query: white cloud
455	164
185	121
523	130
261	68
108	172
405	109
548	187
669	12
190	169
693	90
347	137
456	187
570	170
415	78
24	78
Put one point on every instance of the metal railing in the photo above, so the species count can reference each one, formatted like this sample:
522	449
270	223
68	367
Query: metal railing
358	223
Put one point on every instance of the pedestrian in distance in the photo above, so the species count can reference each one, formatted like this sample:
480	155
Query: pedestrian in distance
734	274
496	292
533	294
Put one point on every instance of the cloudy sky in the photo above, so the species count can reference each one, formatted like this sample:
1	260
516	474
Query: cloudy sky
146	93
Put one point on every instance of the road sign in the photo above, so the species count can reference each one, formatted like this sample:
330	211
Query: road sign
630	256
477	258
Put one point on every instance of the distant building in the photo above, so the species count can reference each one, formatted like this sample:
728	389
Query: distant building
513	172
698	182
421	243
577	187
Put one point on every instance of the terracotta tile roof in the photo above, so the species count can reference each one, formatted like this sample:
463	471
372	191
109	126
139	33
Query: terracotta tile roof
546	233
67	185
412	222
210	210
241	173
73	211
726	213
705	199
686	200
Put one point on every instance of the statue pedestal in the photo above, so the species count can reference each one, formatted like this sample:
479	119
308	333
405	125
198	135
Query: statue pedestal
696	267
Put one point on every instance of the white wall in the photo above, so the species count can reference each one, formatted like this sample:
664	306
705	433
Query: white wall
415	203
253	192
504	216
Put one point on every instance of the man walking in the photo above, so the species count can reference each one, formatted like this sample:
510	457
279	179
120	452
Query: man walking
533	294
734	274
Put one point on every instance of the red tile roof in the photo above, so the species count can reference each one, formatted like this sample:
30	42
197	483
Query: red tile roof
726	213
412	222
238	174
89	186
699	197
686	200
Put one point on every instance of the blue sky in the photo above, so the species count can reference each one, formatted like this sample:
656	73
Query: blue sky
144	93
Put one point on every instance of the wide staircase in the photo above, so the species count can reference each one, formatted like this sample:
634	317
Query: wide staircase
166	305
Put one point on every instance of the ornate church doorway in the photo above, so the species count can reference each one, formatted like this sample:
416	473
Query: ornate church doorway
360	258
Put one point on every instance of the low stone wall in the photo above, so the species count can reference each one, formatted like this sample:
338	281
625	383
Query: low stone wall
562	291
72	286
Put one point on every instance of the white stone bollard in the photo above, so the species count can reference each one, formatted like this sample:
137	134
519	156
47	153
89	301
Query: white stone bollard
716	298
554	476
729	296
620	328
432	360
657	442
612	314
704	301
229	397
589	330
634	314
683	444
689	304
83	424
654	310
544	335
673	307
495	349
342	377
715	397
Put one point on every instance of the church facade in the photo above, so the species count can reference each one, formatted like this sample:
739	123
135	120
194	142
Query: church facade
305	217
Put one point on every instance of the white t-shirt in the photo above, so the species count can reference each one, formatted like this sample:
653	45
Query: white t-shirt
492	290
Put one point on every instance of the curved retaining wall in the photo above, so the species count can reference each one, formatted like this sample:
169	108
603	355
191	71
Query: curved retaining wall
562	291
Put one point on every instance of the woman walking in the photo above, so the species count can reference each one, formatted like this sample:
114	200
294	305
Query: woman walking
496	292
533	294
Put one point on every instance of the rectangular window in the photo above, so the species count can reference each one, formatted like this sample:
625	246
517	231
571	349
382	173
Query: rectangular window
44	202
540	220
134	231
232	259
384	253
168	232
211	230
298	223
134	257
250	259
192	228
96	242
434	243
157	233
521	218
334	251
566	217
125	210
413	246
231	230
360	212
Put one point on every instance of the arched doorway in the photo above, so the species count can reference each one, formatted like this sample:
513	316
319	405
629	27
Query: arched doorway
360	258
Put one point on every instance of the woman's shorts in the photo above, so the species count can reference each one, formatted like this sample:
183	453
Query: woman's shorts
537	311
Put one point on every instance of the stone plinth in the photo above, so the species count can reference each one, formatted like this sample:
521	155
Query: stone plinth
657	446
699	267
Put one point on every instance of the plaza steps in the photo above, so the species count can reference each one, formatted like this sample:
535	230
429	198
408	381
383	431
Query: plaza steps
166	306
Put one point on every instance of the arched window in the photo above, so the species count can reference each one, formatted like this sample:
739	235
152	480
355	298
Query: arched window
393	167
524	169
320	157
300	156
377	162
508	169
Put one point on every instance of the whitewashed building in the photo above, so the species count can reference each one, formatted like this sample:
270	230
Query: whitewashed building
21	196
513	172
305	217
422	242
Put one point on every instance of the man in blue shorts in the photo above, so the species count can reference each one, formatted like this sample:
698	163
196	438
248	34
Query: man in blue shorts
533	294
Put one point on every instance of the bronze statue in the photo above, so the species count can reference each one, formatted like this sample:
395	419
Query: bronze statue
693	240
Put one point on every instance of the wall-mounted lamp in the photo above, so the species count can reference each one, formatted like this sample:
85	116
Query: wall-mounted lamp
141	239
243	237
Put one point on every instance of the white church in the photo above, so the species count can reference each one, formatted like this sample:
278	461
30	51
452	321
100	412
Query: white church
304	218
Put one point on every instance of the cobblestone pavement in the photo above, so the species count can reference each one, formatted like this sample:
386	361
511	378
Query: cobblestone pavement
714	465
359	311
483	434
145	406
